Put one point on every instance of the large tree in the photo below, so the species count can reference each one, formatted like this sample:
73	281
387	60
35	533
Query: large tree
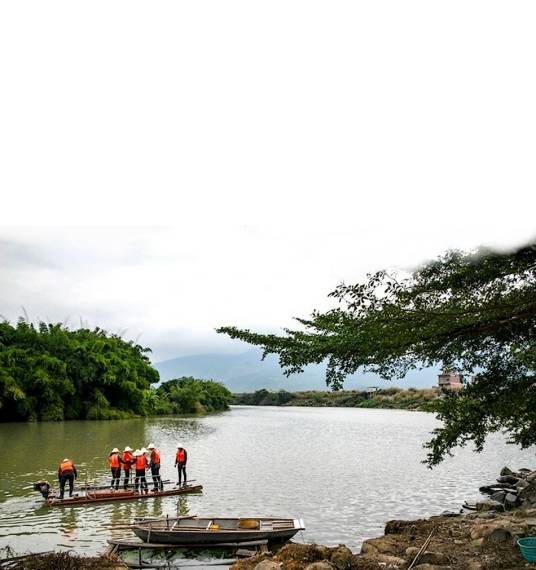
470	312
48	372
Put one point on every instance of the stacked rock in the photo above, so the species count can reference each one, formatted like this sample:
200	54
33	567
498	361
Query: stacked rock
513	489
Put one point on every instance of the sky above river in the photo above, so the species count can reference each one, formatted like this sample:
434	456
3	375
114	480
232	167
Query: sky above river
181	166
171	287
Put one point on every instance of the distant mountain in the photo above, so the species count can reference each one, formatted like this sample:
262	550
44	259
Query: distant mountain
246	372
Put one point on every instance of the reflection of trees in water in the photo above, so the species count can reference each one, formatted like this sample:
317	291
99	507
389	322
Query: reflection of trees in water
179	428
125	513
182	507
33	451
68	522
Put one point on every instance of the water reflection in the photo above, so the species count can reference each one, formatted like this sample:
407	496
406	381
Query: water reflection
68	524
354	468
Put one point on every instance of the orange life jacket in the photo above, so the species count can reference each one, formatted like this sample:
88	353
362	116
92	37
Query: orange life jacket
128	460
66	466
155	456
141	462
113	460
181	456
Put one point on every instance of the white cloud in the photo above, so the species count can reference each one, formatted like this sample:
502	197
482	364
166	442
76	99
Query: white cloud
174	286
291	144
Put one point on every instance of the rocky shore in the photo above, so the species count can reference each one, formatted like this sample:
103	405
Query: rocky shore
482	536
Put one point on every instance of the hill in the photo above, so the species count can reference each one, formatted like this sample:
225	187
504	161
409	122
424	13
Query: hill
246	372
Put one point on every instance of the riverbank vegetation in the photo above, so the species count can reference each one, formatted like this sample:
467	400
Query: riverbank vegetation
49	372
189	396
389	398
469	312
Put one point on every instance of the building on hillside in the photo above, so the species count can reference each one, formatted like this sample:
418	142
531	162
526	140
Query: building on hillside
450	380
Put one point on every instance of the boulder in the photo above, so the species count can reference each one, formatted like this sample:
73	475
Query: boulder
506	471
531	477
522	484
508	479
485	515
437	558
267	565
411	552
528	493
323	565
489	505
450	514
321	552
510	501
390	561
498	496
341	557
501	530
474	565
381	545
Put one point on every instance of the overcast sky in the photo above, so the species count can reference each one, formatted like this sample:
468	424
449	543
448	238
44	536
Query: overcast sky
250	156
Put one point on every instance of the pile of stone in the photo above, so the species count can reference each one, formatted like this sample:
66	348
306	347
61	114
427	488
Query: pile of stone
513	489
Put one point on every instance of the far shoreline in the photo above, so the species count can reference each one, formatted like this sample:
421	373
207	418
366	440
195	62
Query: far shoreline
410	399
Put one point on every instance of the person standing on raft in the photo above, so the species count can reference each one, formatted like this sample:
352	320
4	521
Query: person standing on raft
181	457
154	464
115	466
67	472
140	466
127	460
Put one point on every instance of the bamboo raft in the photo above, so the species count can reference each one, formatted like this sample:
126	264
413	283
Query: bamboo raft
101	496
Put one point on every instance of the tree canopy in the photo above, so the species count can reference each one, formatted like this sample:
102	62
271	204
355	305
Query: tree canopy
470	312
189	395
48	372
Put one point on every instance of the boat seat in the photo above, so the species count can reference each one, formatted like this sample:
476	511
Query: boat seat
248	524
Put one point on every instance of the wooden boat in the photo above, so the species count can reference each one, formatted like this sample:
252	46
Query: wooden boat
101	496
213	530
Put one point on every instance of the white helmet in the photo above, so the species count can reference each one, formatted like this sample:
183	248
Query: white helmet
179	446
151	446
137	453
127	448
115	450
143	450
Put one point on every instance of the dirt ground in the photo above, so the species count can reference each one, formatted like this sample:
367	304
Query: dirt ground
479	541
60	561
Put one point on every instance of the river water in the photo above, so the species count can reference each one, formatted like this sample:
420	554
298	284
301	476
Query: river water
344	471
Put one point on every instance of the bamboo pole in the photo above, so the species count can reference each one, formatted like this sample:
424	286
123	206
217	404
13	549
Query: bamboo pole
423	548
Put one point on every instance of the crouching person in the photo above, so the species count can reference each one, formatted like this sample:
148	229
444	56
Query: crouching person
67	473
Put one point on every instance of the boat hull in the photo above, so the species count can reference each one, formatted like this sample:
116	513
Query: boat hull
107	496
186	537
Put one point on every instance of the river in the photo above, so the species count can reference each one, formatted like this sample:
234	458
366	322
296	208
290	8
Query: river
344	471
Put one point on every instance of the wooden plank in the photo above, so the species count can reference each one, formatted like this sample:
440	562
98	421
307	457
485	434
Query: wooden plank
245	552
107	497
135	543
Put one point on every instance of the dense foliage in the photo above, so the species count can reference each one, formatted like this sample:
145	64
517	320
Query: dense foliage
263	397
475	313
388	398
48	372
190	396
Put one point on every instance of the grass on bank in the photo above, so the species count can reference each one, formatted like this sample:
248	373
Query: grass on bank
390	398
